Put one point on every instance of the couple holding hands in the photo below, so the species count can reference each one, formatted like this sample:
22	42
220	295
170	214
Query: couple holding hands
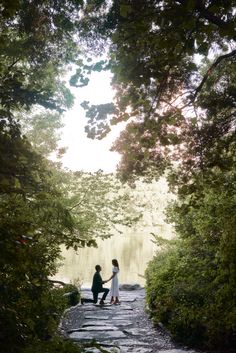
97	286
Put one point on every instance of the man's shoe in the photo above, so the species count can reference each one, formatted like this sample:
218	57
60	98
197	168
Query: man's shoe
101	302
82	301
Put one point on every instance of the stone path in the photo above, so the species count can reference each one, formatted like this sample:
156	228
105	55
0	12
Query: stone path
123	328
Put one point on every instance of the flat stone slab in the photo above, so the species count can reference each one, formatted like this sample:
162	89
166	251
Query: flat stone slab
92	350
74	330
97	323
103	328
95	307
127	300
130	343
113	350
97	317
136	350
97	335
103	305
121	322
123	307
107	323
124	316
88	307
136	332
97	350
123	328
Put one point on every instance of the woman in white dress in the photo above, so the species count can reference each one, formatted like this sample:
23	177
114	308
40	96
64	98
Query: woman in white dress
114	283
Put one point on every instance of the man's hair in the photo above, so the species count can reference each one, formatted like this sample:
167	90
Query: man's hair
97	267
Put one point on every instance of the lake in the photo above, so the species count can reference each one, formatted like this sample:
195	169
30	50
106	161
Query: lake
133	249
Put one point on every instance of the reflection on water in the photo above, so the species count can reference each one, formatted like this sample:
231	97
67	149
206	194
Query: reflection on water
132	250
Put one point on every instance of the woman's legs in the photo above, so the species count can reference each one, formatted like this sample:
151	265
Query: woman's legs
117	301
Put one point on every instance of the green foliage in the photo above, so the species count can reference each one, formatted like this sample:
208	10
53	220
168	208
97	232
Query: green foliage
33	225
44	207
36	42
97	113
180	108
152	48
39	212
60	299
152	51
175	298
55	345
42	130
187	291
190	285
98	204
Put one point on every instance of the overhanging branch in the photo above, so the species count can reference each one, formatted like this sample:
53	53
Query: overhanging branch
212	67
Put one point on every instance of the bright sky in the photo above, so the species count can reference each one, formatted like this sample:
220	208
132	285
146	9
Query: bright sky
83	153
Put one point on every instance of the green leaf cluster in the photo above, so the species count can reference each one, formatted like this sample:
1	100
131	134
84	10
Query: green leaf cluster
155	49
190	283
173	66
42	206
34	222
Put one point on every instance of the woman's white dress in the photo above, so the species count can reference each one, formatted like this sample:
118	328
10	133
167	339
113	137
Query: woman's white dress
115	283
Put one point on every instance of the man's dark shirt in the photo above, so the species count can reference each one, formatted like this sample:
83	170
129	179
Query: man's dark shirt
97	282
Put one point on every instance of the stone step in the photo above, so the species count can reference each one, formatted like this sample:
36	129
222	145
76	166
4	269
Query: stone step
91	335
123	328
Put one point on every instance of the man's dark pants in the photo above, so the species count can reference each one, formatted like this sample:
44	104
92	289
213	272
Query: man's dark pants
95	294
105	291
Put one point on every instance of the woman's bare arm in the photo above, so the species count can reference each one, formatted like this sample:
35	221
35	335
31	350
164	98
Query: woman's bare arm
113	275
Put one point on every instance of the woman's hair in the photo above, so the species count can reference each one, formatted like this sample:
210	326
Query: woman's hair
115	263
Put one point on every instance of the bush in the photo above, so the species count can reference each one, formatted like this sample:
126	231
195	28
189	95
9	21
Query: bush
56	345
66	296
183	292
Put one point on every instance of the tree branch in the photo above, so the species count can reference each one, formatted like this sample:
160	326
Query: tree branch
210	16
78	203
212	67
56	282
9	68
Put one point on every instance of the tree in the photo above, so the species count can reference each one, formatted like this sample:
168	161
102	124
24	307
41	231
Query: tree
43	130
97	202
191	283
173	65
153	50
38	43
152	54
33	225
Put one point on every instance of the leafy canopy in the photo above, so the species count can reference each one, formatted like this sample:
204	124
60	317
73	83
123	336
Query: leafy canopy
158	53
173	65
39	209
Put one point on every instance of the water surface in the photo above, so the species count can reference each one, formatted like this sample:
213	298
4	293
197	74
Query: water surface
133	249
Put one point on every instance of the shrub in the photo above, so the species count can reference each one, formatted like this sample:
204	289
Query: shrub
183	292
56	345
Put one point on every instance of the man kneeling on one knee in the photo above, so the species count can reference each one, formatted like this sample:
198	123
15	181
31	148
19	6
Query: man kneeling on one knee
97	287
